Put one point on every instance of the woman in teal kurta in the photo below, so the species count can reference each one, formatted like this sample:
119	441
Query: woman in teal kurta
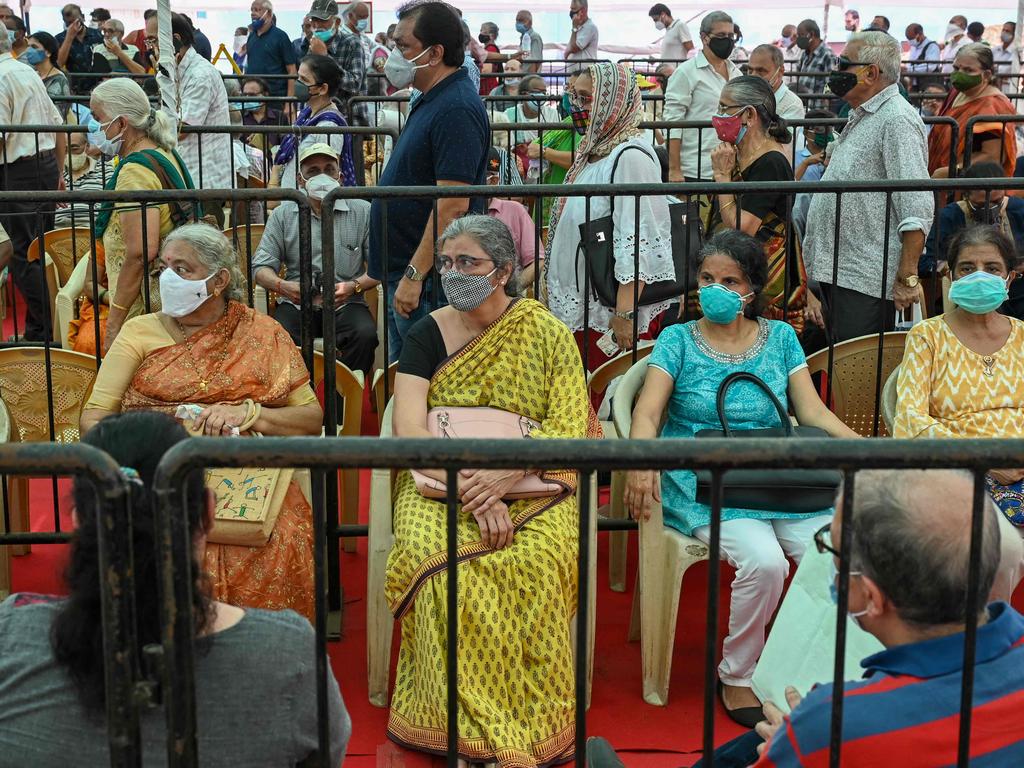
685	370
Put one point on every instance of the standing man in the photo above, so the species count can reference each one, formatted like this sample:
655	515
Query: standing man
26	165
677	42
1007	58
692	94
582	45
76	43
816	56
922	50
530	43
852	19
342	44
975	31
356	19
956	38
268	50
883	140
444	143
879	24
202	100
767	62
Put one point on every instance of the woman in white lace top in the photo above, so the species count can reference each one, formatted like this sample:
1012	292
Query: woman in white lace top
607	97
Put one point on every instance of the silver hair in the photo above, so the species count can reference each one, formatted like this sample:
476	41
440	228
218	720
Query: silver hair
491	27
709	21
533	78
880	49
493	237
213	250
773	51
118	27
123	97
5	43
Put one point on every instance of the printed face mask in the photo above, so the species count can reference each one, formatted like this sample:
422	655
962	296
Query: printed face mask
467	292
730	128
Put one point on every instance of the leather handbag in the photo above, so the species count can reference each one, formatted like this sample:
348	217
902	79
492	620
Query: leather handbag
476	423
596	246
772	490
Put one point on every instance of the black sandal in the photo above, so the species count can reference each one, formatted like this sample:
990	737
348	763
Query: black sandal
748	717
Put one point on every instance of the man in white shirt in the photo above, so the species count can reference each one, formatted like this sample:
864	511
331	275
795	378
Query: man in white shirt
677	42
582	45
201	100
955	40
922	50
1007	58
692	94
767	62
537	110
26	165
530	42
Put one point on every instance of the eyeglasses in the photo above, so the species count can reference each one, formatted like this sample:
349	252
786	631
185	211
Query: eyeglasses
723	36
823	540
462	263
845	64
723	108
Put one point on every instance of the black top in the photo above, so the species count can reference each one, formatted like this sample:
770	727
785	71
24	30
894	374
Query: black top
771	166
423	350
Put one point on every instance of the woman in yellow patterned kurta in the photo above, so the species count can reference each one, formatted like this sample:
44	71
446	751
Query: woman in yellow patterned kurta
517	562
961	374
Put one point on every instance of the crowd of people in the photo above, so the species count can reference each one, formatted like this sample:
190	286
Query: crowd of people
506	304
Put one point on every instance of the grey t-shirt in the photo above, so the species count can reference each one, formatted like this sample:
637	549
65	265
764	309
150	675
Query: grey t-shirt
255	696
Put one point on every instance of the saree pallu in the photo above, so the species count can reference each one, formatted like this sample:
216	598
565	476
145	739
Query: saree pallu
516	689
940	137
242	355
82	329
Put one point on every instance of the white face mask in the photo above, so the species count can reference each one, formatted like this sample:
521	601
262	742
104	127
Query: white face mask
78	162
399	70
180	297
659	25
318	186
240	41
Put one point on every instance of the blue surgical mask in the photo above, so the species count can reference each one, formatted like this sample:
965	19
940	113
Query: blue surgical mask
521	28
720	304
10	35
250	106
361	25
566	104
34	56
324	34
97	136
979	292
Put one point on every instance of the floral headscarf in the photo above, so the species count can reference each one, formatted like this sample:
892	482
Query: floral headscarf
615	116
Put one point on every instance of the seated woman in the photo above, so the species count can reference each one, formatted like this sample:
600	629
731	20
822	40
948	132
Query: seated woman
752	137
687	366
962	371
517	570
207	348
252	666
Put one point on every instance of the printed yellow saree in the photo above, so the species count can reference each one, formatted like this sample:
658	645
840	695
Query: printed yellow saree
515	675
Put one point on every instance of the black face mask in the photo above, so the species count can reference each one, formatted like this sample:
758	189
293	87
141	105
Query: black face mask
722	47
802	42
986	214
841	83
485	39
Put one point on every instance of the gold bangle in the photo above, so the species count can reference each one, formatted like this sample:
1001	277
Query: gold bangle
115	305
727	205
252	410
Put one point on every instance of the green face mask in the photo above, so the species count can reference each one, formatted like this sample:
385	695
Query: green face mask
822	140
963	81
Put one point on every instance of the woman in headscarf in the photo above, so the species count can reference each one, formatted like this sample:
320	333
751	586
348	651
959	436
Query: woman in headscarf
606	106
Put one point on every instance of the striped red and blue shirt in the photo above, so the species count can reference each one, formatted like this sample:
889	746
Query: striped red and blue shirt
906	711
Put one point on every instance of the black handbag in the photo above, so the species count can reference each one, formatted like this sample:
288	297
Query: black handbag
597	248
772	490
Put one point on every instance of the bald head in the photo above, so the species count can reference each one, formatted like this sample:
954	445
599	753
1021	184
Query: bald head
911	536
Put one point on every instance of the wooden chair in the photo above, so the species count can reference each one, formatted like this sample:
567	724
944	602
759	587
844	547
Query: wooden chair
890	396
246	239
62	250
379	400
597	384
854	369
349	385
379	620
665	555
23	374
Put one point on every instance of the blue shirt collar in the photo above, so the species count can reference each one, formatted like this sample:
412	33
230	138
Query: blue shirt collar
945	655
454	77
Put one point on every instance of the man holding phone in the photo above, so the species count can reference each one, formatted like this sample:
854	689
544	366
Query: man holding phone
76	42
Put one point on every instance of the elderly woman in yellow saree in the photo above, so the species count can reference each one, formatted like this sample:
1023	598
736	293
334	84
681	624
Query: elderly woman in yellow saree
206	348
517	559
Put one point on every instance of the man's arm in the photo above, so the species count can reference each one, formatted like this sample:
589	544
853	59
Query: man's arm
128	62
571	46
353	67
913	211
678	95
65	47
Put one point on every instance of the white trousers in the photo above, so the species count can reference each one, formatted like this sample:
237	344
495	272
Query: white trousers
757	549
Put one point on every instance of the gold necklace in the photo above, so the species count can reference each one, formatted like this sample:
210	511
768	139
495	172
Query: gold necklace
203	383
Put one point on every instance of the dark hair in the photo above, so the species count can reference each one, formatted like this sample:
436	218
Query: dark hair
325	70
49	43
263	84
820	114
921	569
914	29
982	234
658	9
149	14
19	25
100	14
885	21
983	169
748	253
976	28
437	24
138	440
182	28
810	26
753	91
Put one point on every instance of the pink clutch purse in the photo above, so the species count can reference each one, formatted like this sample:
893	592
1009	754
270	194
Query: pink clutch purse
476	423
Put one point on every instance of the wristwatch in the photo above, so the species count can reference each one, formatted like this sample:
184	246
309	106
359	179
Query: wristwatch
911	281
629	314
356	287
411	273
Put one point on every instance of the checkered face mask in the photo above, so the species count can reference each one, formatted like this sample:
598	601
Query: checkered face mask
467	292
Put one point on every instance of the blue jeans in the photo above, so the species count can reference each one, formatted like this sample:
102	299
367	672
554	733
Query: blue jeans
738	753
399	326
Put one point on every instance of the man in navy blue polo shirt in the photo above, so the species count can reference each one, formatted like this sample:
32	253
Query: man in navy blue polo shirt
76	43
269	51
444	143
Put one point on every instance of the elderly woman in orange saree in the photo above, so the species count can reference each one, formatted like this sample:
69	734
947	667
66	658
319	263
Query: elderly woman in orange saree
208	349
974	93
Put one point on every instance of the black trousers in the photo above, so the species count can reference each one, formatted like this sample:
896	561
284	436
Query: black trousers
355	331
855	313
23	223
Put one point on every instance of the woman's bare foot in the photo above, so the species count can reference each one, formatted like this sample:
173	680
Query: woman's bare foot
739	697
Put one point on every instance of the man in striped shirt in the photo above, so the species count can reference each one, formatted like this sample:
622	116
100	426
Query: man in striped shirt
908	580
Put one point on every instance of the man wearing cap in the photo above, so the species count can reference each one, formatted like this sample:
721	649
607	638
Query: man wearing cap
339	42
355	330
268	51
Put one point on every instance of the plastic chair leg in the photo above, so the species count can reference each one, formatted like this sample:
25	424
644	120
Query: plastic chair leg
618	541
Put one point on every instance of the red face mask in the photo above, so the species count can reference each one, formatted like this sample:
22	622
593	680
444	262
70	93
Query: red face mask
729	129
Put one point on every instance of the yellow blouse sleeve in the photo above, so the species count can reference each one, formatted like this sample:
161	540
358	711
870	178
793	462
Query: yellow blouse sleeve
135	177
914	388
138	337
303	395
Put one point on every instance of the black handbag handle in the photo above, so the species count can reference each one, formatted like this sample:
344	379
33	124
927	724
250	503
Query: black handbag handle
731	379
